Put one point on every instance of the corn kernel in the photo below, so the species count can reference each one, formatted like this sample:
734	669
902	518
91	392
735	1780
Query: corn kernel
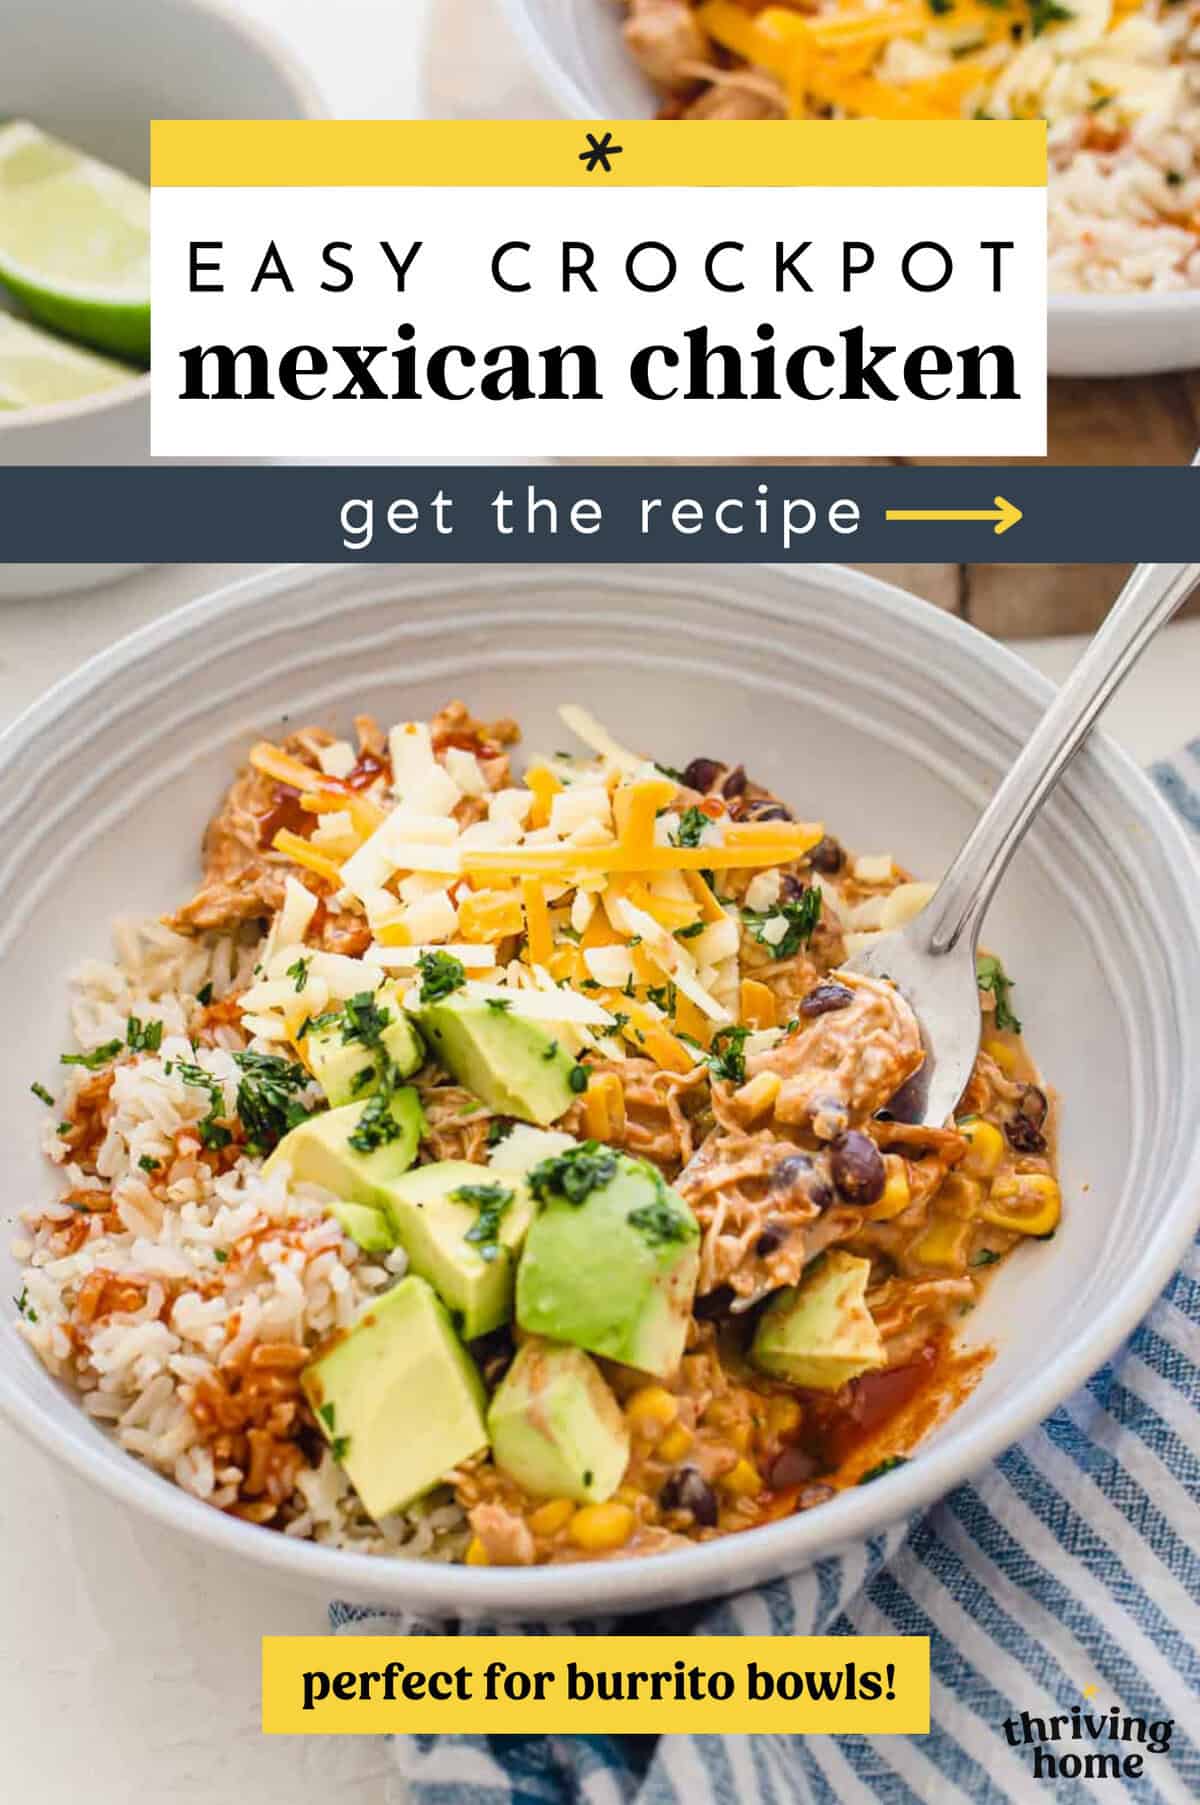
549	1518
675	1443
757	1097
897	1194
1005	1056
599	1528
784	1416
985	1149
943	1243
743	1480
477	1554
1028	1203
652	1408
758	1005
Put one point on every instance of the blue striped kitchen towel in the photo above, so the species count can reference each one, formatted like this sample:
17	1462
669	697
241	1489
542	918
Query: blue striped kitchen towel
1071	1563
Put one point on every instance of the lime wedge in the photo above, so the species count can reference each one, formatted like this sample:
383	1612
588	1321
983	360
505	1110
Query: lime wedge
75	242
37	370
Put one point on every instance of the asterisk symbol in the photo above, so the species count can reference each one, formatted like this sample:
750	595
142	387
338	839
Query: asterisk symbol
601	150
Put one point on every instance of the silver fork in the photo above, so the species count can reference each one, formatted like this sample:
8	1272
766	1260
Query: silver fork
931	960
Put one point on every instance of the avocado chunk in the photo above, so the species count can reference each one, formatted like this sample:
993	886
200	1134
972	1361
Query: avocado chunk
610	1262
514	1065
344	1047
524	1147
398	1397
555	1426
368	1227
463	1227
820	1333
357	1150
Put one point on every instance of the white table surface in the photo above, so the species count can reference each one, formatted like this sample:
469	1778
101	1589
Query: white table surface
128	1661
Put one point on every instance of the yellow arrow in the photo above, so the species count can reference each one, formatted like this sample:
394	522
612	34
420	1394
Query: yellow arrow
1004	514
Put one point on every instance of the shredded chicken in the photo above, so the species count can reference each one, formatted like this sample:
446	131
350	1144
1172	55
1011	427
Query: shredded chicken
844	1064
666	42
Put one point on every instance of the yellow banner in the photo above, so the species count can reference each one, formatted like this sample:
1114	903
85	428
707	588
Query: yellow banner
570	1685
560	153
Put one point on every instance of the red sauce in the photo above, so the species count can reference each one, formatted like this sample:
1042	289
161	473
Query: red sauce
366	770
285	812
874	1400
466	742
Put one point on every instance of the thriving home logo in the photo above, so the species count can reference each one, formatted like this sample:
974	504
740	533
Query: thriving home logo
1083	1745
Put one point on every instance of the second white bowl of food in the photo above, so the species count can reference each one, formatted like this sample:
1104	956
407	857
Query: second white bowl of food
1125	145
94	77
184	1288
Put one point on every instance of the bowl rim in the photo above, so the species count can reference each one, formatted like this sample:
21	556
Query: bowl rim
707	1570
565	92
251	35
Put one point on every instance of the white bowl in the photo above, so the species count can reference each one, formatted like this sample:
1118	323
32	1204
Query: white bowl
887	718
96	75
576	48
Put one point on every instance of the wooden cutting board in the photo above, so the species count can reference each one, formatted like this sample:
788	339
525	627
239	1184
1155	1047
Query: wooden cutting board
475	70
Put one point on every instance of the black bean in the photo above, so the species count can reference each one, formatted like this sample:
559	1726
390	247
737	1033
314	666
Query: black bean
1024	1130
820	1195
771	1240
702	773
826	997
792	1467
827	857
858	1169
714	1304
764	809
735	783
688	1489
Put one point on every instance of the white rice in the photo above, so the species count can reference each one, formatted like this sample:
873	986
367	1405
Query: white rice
295	1285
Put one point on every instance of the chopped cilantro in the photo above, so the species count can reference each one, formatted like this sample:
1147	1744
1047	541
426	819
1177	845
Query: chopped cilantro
939	8
692	824
668	771
42	1094
1047	12
204	995
726	1054
64	1128
882	1467
95	1059
491	1201
990	975
377	1126
985	1257
662	1222
575	1173
551	1050
211	1130
801	913
364	1020
620	1020
267	1099
578	1079
1175	178
221	1255
24	1307
690	932
328	1414
339	1447
566	932
362	1079
143	1037
441	973
148	1164
499	1004
499	1129
298	973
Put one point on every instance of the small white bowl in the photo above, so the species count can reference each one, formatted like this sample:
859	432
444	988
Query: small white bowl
96	75
885	717
576	48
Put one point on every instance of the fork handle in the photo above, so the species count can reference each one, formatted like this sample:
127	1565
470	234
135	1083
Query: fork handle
1147	602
